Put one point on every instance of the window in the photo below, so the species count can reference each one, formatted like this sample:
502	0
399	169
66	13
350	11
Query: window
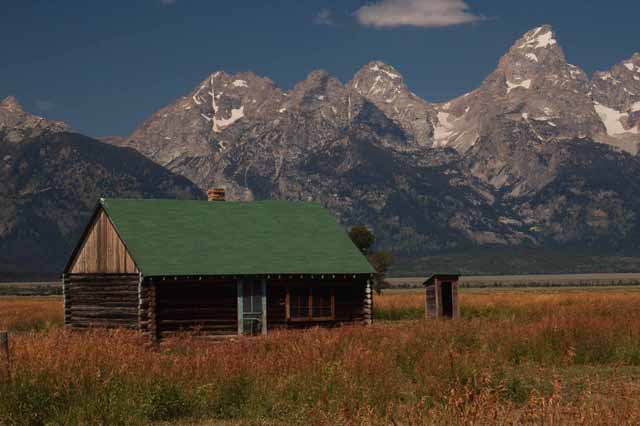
311	304
299	303
322	306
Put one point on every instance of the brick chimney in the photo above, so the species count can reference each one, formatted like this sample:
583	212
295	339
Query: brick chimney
216	194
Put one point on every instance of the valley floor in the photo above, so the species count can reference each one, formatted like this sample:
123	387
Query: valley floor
515	357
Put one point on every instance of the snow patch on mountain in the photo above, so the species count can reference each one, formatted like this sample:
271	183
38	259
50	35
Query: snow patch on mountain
612	121
221	124
390	74
537	40
443	129
453	131
532	56
526	84
240	83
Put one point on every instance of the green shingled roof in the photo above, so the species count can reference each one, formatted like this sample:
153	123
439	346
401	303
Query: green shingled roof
177	237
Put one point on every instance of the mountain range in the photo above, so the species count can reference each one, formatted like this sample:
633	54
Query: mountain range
540	155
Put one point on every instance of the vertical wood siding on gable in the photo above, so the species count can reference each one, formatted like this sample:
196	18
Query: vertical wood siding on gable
103	251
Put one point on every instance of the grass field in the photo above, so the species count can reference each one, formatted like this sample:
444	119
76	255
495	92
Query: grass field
515	357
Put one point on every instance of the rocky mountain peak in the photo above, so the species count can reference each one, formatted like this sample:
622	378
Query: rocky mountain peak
384	86
317	81
10	103
319	89
537	38
16	124
535	85
380	83
532	85
224	99
377	72
204	122
537	54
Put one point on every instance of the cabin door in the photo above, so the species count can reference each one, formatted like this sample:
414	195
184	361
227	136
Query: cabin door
252	307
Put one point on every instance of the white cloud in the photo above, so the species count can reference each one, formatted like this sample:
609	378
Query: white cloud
418	13
324	17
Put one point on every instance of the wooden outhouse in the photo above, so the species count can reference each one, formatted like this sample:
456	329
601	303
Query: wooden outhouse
218	268
442	296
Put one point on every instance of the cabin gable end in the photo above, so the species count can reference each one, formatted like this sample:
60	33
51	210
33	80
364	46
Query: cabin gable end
101	250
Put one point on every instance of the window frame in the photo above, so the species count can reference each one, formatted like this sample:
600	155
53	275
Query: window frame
310	317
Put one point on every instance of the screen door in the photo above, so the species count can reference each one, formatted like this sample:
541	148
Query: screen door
252	292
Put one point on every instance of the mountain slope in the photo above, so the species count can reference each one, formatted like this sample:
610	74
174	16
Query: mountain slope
50	184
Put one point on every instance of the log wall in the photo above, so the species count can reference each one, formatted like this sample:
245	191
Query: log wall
147	312
350	302
102	251
101	300
65	305
208	306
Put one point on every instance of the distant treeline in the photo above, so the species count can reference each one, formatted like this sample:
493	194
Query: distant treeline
516	262
31	289
519	282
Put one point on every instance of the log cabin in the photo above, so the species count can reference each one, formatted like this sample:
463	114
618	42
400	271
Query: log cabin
214	267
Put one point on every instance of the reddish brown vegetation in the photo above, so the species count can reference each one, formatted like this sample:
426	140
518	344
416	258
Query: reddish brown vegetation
552	358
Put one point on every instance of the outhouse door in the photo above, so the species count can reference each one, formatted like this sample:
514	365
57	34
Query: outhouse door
447	299
252	303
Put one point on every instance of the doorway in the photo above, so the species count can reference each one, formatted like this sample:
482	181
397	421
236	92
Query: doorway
447	299
253	300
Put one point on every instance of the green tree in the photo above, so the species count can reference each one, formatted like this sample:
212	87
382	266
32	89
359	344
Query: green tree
381	261
362	238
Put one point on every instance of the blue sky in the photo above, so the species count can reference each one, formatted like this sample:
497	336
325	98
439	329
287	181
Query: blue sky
105	66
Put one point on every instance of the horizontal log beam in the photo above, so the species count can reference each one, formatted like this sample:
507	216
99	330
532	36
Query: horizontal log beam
103	288
97	276
165	334
196	321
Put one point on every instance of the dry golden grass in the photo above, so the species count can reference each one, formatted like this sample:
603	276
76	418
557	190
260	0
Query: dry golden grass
514	358
28	313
